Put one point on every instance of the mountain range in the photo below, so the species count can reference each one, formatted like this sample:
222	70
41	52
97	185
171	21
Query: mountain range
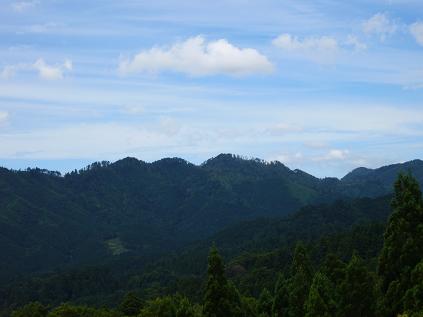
130	207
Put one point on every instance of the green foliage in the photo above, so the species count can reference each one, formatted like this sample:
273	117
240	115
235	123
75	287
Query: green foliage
220	300
34	309
300	282
321	301
403	246
413	300
130	305
265	303
148	209
330	231
357	290
281	300
334	269
169	306
67	310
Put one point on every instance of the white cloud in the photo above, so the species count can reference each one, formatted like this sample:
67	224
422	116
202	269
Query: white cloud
8	71
353	41
4	116
134	109
379	25
45	71
319	49
68	64
196	57
334	155
416	30
291	43
283	128
21	6
288	158
48	72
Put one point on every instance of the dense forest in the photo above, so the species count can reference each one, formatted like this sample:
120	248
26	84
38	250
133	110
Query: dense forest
132	239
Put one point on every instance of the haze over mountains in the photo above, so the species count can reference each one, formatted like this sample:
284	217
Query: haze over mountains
146	209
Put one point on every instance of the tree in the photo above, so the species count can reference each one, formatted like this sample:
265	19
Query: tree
184	308
300	282
357	293
130	305
265	303
34	309
67	310
334	269
281	300
403	243
159	307
321	301
219	296
413	300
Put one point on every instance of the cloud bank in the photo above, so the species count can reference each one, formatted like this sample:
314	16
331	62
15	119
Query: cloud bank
197	57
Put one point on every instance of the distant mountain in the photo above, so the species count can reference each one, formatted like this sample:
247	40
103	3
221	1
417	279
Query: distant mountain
374	182
144	209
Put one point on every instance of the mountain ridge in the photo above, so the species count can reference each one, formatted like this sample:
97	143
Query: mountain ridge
148	208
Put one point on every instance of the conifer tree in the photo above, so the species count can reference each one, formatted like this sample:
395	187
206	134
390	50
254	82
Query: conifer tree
300	282
281	300
357	293
218	300
265	303
403	243
130	305
413	301
321	298
334	269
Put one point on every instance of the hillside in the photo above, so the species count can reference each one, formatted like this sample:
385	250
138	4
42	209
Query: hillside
144	209
256	250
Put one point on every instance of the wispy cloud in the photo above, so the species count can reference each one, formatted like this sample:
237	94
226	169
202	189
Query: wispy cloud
380	25
197	57
416	30
316	48
355	43
334	155
4	116
44	70
20	6
310	44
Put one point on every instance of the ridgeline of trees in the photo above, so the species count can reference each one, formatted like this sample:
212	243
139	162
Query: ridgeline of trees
357	287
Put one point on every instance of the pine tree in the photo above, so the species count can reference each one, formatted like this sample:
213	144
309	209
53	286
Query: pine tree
300	282
130	305
281	300
321	298
334	269
413	300
403	243
357	291
219	297
265	303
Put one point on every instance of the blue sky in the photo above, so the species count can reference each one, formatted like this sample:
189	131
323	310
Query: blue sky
324	86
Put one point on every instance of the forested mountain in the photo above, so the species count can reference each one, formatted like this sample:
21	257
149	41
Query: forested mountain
257	250
132	207
132	226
